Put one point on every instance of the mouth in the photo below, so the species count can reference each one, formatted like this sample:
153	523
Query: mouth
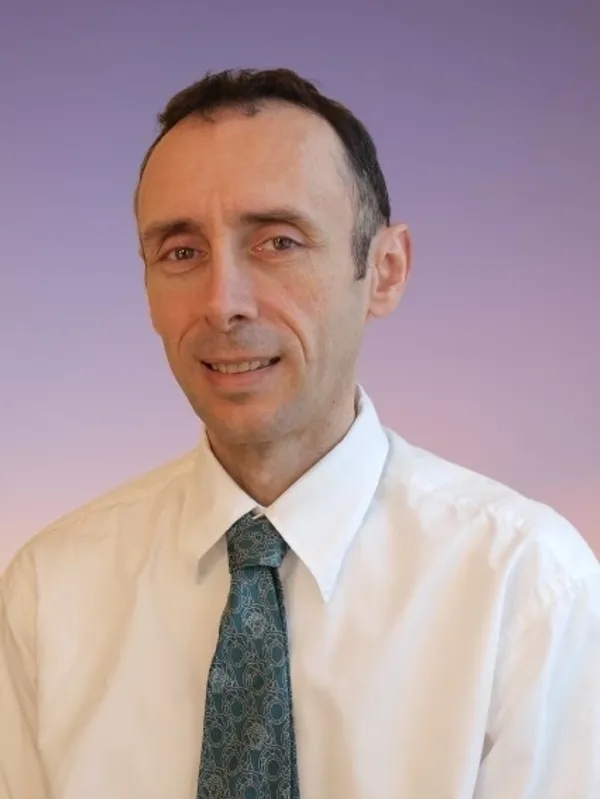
240	367
241	376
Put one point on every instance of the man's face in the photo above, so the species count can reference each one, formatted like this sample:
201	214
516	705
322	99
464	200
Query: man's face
246	230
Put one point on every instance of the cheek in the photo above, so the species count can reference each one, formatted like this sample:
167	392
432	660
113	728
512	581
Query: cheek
172	313
302	306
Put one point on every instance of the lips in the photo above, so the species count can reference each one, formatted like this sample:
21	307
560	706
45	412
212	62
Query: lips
244	376
241	366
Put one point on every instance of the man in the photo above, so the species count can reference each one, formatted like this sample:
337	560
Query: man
306	604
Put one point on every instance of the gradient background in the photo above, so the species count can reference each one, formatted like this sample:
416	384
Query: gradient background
488	126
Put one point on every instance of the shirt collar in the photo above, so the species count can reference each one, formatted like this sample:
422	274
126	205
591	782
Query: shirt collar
318	516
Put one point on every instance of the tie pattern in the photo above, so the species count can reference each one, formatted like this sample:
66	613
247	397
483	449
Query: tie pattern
249	748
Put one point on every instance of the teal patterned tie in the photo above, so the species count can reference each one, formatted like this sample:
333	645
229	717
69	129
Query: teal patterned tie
249	747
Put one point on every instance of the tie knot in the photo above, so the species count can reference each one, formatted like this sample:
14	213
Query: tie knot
254	541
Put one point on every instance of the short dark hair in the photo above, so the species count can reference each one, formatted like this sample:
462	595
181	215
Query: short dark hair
247	89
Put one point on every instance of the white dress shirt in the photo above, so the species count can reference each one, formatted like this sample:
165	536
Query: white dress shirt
444	634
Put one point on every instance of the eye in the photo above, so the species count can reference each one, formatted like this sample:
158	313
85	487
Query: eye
180	254
279	244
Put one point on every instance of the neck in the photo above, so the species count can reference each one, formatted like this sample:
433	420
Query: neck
265	471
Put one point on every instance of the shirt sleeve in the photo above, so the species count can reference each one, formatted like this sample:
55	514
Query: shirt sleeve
21	770
544	731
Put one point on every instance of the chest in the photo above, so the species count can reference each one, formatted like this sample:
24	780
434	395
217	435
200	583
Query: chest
390	682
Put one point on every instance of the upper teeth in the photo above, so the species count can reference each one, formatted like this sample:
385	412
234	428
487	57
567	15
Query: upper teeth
246	366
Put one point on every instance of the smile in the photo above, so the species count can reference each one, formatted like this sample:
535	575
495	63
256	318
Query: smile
241	366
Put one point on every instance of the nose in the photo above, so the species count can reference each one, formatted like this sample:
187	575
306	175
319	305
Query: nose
229	296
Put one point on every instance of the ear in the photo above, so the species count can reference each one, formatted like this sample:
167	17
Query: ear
391	260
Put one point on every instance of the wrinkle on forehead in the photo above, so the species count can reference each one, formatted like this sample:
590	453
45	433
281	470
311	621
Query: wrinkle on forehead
283	154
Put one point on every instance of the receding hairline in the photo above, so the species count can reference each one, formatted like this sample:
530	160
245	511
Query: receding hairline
251	109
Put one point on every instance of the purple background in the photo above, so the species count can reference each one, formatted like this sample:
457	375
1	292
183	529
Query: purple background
488	124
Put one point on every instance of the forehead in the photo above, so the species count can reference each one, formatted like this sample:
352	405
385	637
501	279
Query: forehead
282	156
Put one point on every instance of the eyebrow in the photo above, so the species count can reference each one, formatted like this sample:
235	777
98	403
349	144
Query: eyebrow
158	232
